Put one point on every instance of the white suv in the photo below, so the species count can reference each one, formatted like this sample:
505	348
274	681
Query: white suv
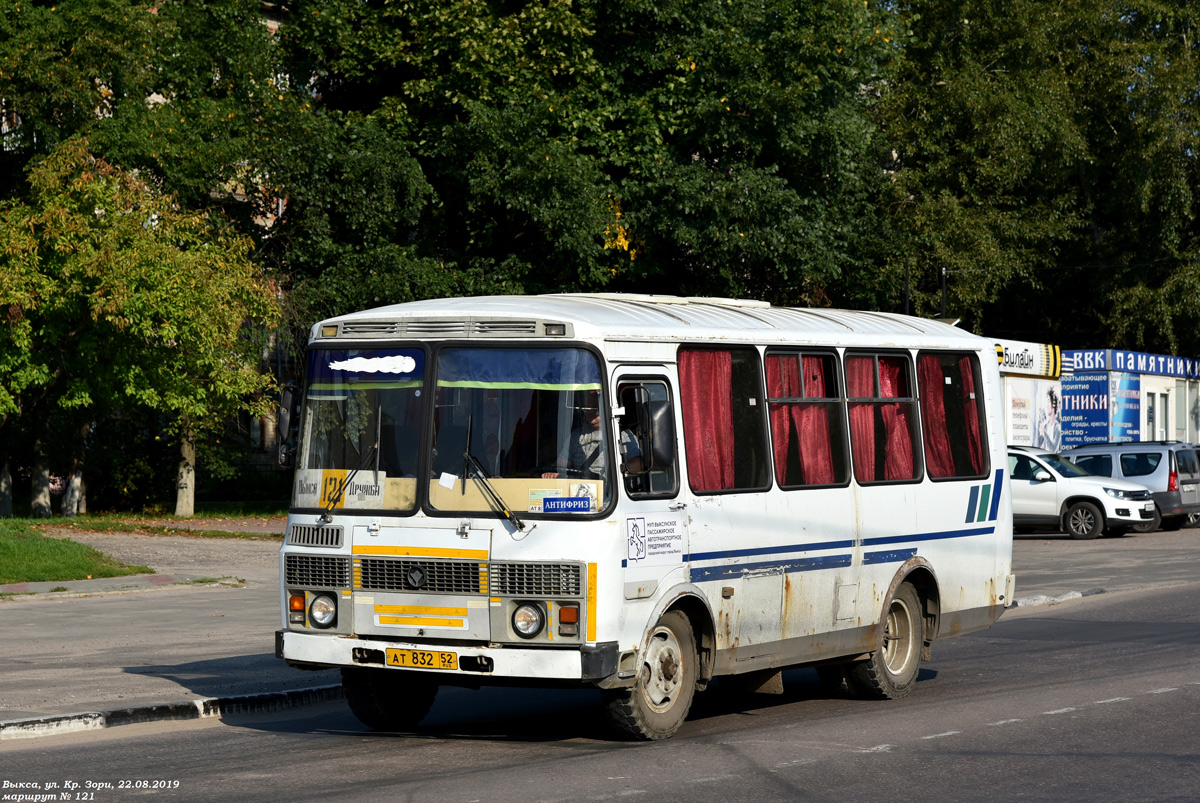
1050	491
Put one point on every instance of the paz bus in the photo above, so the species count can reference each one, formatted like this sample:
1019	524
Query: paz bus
638	494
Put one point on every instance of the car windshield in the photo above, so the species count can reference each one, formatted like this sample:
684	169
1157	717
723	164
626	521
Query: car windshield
361	430
1064	468
532	422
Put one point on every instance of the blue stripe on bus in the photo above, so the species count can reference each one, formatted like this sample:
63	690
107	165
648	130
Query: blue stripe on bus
701	573
899	539
769	550
971	504
894	556
996	494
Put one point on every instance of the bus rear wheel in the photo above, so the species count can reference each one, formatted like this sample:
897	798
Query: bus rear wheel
387	700
658	703
891	671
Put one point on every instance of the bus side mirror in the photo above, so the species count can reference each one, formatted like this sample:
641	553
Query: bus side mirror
283	424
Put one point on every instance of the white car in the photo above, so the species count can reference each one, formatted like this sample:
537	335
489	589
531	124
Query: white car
1050	491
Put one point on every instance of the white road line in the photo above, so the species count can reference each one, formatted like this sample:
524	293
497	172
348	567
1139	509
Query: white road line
1112	700
940	735
1162	691
880	748
1058	711
1004	722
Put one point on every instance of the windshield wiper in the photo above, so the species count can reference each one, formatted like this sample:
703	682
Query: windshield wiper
474	469
372	453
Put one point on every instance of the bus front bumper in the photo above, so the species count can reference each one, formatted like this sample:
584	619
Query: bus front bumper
586	663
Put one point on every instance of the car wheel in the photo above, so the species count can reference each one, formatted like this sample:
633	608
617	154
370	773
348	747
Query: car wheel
1193	520
1151	525
659	701
1083	521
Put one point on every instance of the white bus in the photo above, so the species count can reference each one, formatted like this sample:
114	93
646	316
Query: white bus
638	494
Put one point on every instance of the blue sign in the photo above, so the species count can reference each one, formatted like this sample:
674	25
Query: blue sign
567	504
1125	407
1133	362
1084	414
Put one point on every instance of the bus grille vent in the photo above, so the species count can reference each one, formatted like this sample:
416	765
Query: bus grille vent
317	571
373	329
502	328
310	535
424	576
437	328
535	579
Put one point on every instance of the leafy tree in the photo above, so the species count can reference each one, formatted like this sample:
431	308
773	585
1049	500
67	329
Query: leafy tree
117	297
1046	159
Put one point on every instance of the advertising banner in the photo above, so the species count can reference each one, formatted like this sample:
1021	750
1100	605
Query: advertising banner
1034	412
1125	407
1084	408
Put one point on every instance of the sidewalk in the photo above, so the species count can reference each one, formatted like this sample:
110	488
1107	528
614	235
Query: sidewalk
197	638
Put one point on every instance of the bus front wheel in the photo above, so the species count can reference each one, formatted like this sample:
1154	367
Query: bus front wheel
387	700
891	671
658	703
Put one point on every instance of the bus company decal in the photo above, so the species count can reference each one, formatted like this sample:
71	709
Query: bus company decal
653	540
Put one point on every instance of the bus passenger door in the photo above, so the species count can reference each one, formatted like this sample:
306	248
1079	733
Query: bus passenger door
654	518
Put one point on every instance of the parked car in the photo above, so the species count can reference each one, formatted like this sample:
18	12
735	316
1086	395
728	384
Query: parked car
1050	491
1170	469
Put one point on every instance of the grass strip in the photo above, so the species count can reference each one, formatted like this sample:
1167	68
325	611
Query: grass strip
104	524
27	556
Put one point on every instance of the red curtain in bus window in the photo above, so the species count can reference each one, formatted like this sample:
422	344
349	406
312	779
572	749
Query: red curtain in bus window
897	421
705	388
971	404
939	458
783	382
860	383
812	422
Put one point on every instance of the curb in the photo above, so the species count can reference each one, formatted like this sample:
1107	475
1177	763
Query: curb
1042	599
192	709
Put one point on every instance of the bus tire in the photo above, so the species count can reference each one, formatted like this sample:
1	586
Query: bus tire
658	702
1083	521
387	700
891	671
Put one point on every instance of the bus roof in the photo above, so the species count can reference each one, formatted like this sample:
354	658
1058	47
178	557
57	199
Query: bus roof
619	316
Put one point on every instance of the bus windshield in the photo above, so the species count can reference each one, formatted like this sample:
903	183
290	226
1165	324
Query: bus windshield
362	422
532	422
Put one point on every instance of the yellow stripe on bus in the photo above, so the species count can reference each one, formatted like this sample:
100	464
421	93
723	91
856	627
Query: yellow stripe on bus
420	609
591	603
421	621
421	552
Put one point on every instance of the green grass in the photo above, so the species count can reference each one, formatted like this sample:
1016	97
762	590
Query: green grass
151	525
27	556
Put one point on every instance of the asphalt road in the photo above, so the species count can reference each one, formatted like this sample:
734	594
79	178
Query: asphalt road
1091	699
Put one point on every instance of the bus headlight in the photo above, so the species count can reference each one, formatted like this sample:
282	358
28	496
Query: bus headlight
528	620
323	611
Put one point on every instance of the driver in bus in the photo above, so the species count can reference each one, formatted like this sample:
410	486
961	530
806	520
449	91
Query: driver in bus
585	457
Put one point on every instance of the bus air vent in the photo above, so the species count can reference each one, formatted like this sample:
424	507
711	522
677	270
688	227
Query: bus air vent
311	535
423	576
505	328
316	571
437	328
373	329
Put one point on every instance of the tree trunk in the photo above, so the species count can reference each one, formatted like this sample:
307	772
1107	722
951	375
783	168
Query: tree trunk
185	495
5	492
72	493
39	501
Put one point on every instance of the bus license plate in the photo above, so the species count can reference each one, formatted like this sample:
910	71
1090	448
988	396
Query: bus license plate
422	659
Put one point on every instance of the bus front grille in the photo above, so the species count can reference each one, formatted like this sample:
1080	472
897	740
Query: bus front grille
423	576
317	571
315	535
536	579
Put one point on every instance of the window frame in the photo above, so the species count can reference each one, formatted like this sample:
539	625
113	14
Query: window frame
981	411
915	427
838	402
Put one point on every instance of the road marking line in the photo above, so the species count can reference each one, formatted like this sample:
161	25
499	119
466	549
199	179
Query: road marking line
1004	722
1058	711
1112	700
882	748
1161	691
940	735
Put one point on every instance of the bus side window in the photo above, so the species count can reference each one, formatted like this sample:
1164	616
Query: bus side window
660	480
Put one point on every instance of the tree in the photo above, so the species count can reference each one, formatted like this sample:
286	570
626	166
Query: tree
118	297
1046	159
